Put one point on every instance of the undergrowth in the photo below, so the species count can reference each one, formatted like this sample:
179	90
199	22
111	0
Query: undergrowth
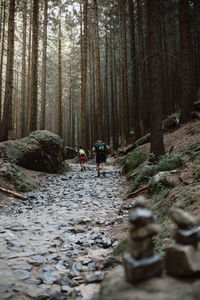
133	161
172	162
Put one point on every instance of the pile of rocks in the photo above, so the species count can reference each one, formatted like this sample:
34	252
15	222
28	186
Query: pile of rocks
183	256
140	262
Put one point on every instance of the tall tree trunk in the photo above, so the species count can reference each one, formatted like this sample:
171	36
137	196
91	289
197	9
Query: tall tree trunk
2	54
98	69
116	92
113	103
84	76
59	87
196	46
122	107
134	74
6	124
124	61
23	80
44	67
106	104
1	16
143	90
187	78
34	69
28	80
155	84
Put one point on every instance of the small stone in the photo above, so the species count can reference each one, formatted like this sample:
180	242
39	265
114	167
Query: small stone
181	218
145	231
140	201
94	277
137	270
182	261
187	237
141	216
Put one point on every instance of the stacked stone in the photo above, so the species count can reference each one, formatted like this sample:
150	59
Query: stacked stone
140	262
183	256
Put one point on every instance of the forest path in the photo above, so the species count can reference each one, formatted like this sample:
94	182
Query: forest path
55	244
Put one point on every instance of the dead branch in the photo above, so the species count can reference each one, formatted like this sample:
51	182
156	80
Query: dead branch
137	191
16	195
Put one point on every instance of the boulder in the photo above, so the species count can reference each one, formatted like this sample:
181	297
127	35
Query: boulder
170	123
70	153
165	179
11	173
41	151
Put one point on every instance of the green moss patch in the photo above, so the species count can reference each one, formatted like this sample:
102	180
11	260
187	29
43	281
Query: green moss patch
133	161
143	140
12	174
121	247
164	164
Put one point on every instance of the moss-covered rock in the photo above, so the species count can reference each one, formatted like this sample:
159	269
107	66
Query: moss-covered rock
70	152
133	161
40	151
12	174
160	181
164	164
143	140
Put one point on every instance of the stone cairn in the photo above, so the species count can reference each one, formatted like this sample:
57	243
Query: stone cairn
140	262
183	256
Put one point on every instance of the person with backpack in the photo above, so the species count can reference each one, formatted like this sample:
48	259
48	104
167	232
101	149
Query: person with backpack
82	157
100	148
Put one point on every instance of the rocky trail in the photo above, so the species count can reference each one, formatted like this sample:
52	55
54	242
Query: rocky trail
56	244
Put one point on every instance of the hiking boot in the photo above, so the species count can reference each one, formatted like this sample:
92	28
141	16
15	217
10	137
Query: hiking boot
98	174
104	174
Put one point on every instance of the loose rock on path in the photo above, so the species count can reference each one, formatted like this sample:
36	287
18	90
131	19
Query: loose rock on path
55	244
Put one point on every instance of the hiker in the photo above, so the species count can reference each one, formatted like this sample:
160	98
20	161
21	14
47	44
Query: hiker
82	157
100	148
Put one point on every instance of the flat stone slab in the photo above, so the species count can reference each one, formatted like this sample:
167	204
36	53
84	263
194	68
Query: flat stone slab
182	261
115	287
136	270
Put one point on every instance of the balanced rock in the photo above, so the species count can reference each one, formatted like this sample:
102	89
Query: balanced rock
141	216
181	218
182	261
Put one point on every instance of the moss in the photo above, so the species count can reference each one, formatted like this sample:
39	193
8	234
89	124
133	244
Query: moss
133	161
196	174
164	164
66	167
121	161
121	247
12	174
188	195
143	140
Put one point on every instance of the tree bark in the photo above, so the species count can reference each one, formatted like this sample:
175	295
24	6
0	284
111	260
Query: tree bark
7	123
34	70
155	85
2	53
23	80
187	78
134	74
44	58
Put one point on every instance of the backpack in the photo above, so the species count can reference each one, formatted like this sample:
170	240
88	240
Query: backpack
100	148
81	152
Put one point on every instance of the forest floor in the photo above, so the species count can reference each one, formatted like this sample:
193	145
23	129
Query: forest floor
109	207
